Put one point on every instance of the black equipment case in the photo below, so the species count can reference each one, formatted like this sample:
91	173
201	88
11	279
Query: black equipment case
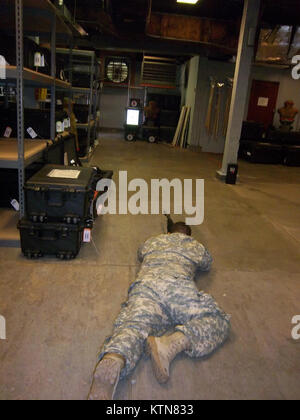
39	239
291	155
61	194
259	152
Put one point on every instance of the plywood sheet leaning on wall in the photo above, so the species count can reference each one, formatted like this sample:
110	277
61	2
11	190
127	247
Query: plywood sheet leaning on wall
180	125
185	130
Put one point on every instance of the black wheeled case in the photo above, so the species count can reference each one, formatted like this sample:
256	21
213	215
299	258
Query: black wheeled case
291	155
259	152
60	194
40	239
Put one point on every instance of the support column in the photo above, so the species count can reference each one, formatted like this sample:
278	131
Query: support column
241	83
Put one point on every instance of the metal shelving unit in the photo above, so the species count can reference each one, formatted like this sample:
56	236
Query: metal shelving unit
34	78
90	95
30	18
33	150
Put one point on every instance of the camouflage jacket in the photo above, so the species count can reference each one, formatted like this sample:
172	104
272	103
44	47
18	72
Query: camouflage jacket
172	257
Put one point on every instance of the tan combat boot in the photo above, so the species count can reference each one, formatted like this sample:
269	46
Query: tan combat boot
106	377
163	350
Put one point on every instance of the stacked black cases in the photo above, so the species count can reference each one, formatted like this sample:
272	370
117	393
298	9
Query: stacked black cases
60	194
59	206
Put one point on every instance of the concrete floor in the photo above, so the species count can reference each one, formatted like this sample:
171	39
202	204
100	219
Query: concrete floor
58	313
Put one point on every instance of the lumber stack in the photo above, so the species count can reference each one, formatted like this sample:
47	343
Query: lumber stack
181	134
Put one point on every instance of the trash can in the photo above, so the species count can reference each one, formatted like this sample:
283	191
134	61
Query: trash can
232	171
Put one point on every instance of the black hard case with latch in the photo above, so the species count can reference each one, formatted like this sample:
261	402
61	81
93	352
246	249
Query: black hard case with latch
59	239
55	199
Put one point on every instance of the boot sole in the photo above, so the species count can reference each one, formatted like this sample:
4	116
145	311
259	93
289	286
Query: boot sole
106	391
158	369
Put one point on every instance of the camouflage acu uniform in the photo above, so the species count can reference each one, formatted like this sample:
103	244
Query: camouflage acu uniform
165	298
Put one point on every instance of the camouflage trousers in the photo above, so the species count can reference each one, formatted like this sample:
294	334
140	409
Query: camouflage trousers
154	309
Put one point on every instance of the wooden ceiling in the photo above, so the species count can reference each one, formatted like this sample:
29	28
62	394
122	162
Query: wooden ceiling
126	22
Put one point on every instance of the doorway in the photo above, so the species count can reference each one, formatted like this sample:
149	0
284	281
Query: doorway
263	100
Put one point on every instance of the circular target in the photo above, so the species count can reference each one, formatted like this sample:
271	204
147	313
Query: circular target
152	139
134	103
129	137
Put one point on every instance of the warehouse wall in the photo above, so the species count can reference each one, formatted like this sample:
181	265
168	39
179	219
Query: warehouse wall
113	104
114	100
198	134
289	89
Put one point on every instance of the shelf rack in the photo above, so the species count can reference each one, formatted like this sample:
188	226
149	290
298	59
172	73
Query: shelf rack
31	18
92	93
38	17
33	150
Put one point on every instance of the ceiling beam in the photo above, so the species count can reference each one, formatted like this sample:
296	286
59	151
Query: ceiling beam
210	32
93	19
154	46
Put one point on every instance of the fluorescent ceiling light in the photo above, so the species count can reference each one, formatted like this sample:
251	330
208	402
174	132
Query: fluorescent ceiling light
188	1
